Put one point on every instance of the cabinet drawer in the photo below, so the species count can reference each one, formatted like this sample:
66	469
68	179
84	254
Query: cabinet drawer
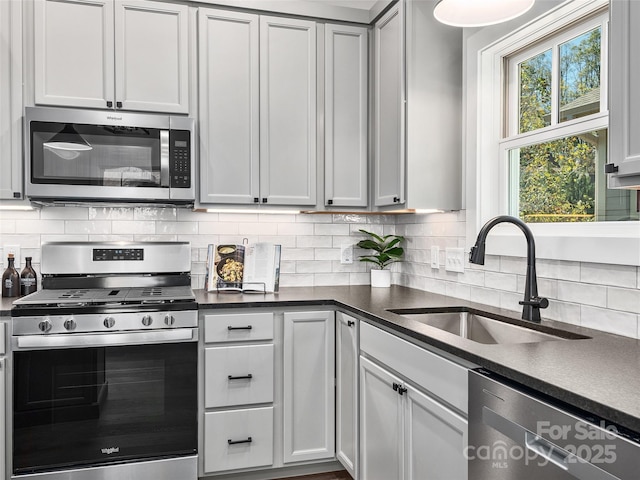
433	373
223	429
239	327
240	362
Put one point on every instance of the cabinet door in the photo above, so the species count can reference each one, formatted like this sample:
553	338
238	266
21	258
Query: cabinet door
11	100
389	120
347	392
152	56
3	392
309	394
624	99
287	111
381	420
229	107
346	115
73	52
435	439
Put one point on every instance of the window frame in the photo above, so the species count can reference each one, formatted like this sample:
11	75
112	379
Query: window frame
598	242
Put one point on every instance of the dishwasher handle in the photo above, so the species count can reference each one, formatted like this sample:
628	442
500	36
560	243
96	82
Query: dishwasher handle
567	461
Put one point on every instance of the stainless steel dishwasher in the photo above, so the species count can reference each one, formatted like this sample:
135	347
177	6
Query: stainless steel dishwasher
518	434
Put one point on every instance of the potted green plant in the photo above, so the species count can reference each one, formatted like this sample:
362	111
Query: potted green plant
387	250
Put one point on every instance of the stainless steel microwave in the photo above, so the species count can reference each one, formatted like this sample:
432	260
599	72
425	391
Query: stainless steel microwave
81	156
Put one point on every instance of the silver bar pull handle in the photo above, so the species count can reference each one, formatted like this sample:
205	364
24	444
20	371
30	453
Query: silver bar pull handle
547	450
164	158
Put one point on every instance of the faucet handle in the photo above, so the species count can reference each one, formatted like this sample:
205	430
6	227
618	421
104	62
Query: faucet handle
539	302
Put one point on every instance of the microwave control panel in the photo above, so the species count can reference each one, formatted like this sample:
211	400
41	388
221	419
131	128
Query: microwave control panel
180	158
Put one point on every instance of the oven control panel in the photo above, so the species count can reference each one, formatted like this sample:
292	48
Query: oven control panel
117	254
107	322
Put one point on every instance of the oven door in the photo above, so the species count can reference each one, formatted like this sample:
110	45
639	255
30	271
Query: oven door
102	405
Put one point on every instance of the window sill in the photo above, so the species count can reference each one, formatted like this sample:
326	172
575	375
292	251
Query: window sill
615	243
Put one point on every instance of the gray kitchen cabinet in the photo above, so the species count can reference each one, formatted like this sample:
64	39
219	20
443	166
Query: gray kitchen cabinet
288	109
123	54
417	104
389	108
413	421
3	402
309	395
346	116
347	392
257	109
229	106
238	431
10	100
624	98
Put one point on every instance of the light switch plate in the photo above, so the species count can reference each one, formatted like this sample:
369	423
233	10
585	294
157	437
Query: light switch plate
435	257
15	249
454	260
346	254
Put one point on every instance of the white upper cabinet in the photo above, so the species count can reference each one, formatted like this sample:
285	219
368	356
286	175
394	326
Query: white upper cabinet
288	100
229	107
346	116
10	100
258	109
624	96
129	54
389	117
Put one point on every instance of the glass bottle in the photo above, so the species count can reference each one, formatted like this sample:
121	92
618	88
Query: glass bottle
11	280
28	278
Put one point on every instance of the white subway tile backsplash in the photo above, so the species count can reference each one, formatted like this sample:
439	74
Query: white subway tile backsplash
615	275
137	227
620	323
626	299
330	229
87	226
583	293
606	297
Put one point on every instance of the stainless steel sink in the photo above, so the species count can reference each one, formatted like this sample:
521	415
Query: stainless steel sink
482	329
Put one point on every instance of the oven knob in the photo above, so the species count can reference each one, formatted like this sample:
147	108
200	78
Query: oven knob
147	320
70	324
45	325
169	320
109	322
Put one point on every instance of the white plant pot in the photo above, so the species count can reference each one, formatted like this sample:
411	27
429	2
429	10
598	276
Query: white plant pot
380	278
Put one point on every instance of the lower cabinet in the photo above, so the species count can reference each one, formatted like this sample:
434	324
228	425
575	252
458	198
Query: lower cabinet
347	392
238	391
309	394
3	406
238	439
406	431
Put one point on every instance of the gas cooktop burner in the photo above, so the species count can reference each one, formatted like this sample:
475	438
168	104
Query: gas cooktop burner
107	296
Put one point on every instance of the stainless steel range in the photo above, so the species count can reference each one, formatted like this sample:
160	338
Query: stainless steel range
105	365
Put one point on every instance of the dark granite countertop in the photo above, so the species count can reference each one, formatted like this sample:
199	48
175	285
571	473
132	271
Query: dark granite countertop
599	374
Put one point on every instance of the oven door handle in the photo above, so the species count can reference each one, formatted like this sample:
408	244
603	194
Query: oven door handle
31	342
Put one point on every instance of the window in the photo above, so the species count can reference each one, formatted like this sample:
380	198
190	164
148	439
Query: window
555	140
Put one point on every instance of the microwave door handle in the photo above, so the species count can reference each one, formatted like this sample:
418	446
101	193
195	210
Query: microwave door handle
164	158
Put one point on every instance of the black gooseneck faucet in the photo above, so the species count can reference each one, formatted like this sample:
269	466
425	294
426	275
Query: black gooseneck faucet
532	303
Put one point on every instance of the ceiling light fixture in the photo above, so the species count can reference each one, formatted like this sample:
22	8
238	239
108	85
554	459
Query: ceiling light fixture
479	13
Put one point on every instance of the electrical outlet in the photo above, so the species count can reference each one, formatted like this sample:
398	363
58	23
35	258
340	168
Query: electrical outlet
454	261
435	257
346	254
15	249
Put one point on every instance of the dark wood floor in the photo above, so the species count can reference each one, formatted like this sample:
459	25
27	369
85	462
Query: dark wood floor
340	475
